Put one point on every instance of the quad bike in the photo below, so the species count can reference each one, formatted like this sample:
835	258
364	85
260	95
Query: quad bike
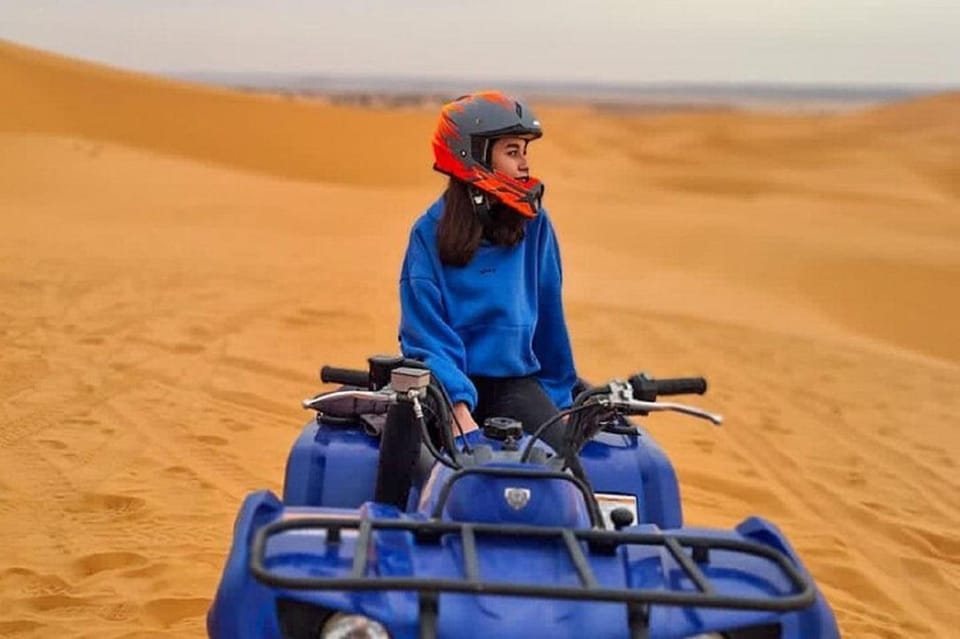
390	526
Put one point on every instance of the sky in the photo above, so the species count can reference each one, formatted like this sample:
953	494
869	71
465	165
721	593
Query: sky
841	42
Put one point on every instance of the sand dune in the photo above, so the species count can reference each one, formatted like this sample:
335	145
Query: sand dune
279	136
176	262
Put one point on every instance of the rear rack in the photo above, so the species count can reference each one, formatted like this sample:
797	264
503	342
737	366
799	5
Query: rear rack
600	541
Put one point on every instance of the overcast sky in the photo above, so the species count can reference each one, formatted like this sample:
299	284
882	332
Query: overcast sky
609	41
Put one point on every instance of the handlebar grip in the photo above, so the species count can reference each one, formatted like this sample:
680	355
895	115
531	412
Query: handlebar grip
682	386
648	389
348	376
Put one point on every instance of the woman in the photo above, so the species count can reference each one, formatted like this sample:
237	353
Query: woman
480	289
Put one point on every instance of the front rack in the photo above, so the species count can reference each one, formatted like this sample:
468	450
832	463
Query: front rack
601	541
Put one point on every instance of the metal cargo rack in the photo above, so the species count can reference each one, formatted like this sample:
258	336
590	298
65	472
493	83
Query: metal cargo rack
602	542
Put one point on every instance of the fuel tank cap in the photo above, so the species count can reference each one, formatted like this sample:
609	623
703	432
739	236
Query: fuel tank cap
500	428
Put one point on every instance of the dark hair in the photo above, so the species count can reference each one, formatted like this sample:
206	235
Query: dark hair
461	230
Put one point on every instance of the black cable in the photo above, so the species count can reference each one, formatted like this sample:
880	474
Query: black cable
525	455
446	435
580	429
583	395
436	420
448	404
425	433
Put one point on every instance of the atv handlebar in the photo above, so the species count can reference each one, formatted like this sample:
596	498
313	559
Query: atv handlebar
391	379
645	388
636	396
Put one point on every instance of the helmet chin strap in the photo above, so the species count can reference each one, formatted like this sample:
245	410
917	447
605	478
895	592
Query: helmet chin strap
481	205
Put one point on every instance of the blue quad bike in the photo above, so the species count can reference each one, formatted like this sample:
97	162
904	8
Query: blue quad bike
391	527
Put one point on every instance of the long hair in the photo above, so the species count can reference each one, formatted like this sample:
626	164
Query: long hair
461	230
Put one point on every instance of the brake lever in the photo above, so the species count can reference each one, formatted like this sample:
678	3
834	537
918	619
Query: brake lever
621	397
380	396
637	406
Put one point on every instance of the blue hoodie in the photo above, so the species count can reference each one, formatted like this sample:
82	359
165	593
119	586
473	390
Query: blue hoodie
501	315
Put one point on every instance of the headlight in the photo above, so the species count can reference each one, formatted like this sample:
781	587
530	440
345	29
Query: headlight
344	626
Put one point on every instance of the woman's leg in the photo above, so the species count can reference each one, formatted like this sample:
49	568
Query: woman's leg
520	398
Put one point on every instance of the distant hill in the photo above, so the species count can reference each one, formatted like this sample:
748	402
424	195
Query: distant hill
403	91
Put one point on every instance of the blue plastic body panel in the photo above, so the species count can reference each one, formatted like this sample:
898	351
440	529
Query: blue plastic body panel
635	465
480	499
331	466
337	467
245	609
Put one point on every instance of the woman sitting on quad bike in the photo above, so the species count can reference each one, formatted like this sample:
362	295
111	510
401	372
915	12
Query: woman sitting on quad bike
480	289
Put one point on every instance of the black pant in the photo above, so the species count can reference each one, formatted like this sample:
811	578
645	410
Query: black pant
520	398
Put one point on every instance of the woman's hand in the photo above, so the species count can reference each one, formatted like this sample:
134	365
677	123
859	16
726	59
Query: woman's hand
461	414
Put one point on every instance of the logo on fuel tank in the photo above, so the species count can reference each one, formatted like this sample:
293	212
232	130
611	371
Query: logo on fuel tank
517	498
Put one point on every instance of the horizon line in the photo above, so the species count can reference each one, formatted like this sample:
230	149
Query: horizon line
565	83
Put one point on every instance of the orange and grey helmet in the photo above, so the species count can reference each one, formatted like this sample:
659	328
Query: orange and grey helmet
465	133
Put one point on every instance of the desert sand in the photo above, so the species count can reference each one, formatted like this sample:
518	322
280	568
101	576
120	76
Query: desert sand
177	261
